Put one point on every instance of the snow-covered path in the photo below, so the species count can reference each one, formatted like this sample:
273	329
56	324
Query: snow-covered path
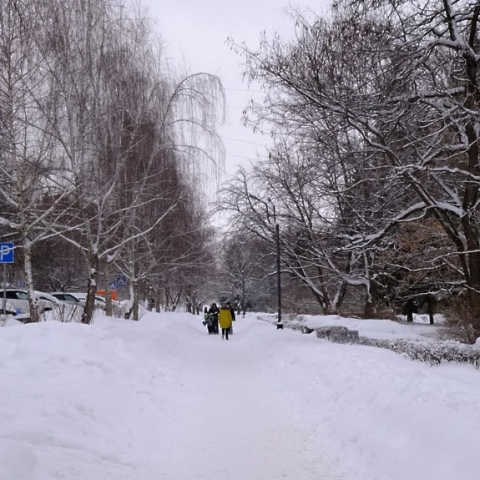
161	399
228	425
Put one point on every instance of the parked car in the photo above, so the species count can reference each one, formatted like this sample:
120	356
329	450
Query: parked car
79	298
9	308
12	312
19	300
66	297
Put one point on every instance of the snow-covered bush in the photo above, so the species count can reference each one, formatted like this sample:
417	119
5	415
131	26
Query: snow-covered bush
338	334
65	313
433	353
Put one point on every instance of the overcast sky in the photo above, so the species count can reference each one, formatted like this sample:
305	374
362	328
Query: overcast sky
195	34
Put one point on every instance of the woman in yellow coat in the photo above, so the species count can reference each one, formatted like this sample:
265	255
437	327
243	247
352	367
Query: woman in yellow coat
225	320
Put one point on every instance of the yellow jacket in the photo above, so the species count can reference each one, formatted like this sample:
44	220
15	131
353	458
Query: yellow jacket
225	318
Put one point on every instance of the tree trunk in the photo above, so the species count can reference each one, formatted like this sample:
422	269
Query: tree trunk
409	310
108	293
89	308
135	300
370	304
430	306
32	302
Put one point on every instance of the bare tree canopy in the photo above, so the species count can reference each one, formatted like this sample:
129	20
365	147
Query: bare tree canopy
102	142
375	116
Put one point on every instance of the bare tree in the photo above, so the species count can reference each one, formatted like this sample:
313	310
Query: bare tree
31	184
398	86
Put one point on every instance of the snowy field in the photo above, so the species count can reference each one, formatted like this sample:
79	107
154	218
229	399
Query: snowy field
161	399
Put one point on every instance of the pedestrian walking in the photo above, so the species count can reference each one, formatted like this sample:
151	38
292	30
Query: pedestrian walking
225	320
213	311
208	321
232	311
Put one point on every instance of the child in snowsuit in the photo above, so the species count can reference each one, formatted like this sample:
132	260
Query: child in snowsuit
225	320
207	321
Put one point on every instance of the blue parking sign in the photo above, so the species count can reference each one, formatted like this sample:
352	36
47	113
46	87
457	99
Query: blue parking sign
6	252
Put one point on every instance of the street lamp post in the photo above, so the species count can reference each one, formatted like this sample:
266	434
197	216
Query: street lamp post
277	241
279	283
243	293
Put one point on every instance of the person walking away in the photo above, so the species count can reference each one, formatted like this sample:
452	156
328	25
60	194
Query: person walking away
213	311
225	320
232	311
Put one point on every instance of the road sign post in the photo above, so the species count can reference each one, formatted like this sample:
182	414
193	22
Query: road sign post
6	256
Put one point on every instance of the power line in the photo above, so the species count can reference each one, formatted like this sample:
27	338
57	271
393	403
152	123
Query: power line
240	156
243	141
244	90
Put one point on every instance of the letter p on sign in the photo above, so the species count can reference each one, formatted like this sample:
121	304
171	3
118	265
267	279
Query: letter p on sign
6	252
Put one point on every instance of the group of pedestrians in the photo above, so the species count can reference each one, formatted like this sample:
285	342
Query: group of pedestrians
219	318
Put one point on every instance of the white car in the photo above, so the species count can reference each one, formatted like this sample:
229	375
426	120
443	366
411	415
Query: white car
19	300
66	297
79	298
9	308
11	311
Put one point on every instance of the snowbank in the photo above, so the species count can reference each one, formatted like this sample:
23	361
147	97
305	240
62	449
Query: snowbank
109	402
386	417
80	400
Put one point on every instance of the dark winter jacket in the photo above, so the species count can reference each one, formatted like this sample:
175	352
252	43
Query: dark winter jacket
213	310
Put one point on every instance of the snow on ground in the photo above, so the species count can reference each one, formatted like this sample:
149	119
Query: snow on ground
161	399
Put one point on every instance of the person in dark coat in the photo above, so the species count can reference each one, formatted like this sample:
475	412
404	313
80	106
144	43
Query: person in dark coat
232	312
213	311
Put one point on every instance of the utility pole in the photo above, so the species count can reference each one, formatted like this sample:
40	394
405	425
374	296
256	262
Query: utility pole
279	284
243	293
277	241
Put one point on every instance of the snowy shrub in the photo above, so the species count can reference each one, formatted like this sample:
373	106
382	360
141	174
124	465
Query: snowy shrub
338	334
433	353
66	313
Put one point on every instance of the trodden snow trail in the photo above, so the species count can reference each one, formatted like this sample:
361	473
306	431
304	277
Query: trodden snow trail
228	425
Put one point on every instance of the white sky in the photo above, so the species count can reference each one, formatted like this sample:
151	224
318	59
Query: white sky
195	33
